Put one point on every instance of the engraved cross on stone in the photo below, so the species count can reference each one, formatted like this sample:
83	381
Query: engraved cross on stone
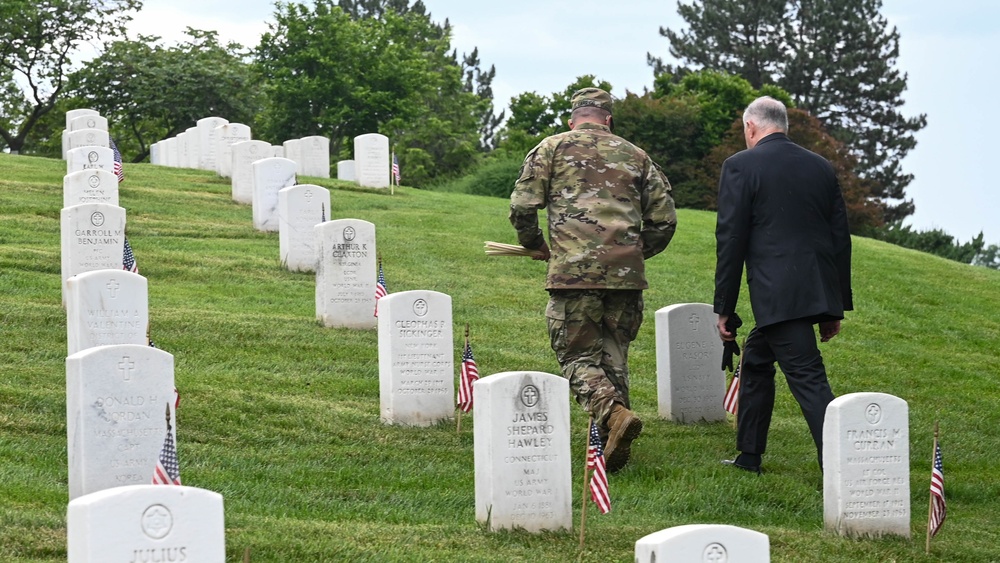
694	320
715	554
530	395
126	366
308	195
113	286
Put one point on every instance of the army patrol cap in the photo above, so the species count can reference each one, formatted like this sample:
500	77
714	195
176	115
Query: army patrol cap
592	97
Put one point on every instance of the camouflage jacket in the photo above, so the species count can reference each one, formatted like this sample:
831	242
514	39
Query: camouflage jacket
609	208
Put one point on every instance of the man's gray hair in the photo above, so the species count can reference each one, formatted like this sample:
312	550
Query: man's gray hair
767	113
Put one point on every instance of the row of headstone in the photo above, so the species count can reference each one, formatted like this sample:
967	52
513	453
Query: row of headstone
119	389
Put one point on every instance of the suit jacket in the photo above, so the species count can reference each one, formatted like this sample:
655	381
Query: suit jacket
782	214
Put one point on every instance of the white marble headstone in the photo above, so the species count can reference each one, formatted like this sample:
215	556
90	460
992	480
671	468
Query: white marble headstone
90	186
690	381
75	113
709	543
90	158
116	401
106	307
182	149
245	153
193	157
170	149
208	142
228	135
89	122
92	237
300	209
315	154
371	160
345	171
293	151
87	138
156	153
346	273
416	366
522	454
278	151
269	176
866	465
147	523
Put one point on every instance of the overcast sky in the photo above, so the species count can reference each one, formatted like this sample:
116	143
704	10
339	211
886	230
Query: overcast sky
948	50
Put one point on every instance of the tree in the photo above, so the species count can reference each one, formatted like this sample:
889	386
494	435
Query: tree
150	92
940	243
837	60
328	73
37	39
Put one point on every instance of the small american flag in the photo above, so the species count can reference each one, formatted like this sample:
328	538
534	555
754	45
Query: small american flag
599	479
469	373
168	471
732	400
380	290
395	168
937	492
128	259
119	171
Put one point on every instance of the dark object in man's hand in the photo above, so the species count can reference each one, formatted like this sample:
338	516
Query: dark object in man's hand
729	347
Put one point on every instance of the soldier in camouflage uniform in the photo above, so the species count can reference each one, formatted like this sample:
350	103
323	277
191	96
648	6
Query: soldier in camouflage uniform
609	208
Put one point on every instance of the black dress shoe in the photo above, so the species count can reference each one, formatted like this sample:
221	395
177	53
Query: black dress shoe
734	463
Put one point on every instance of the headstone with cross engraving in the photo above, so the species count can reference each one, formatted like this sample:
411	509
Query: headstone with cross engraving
345	171
106	307
70	116
146	523
522	453
116	402
708	543
315	154
92	237
300	209
371	160
90	186
244	154
416	365
90	158
346	273
269	176
866	466
226	136
690	380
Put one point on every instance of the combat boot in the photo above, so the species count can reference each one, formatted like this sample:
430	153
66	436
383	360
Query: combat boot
624	426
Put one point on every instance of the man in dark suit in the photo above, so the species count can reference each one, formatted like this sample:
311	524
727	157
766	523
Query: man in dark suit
782	214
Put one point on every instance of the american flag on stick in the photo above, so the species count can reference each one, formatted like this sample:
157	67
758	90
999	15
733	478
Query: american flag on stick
937	505
128	259
395	167
468	373
168	471
380	289
119	171
599	477
732	400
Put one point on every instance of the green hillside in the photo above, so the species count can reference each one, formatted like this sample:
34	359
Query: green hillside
281	415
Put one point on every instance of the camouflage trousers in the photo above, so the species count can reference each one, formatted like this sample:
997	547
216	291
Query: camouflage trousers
590	331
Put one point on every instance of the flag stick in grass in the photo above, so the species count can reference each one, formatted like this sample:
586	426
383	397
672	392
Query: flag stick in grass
583	493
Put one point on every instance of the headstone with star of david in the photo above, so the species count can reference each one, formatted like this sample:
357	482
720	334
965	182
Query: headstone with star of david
522	454
269	176
346	273
706	543
300	208
106	307
690	380
116	400
416	366
143	523
92	237
866	466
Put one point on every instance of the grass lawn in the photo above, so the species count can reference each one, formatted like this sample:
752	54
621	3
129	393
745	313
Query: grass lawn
281	415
